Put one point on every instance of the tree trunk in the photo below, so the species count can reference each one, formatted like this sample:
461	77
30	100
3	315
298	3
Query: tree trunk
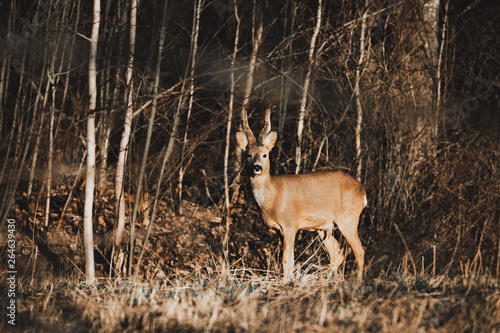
357	93
161	44
104	123
3	75
36	149
51	156
127	126
193	53
256	41
286	80
225	241
305	88
429	38
88	241
6	58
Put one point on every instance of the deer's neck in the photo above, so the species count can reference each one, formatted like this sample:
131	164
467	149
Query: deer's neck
263	189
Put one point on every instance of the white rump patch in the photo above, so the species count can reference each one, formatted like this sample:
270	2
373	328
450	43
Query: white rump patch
366	201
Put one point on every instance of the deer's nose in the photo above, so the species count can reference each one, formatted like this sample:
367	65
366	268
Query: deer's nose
257	169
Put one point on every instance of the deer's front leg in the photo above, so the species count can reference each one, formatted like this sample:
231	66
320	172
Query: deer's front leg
288	257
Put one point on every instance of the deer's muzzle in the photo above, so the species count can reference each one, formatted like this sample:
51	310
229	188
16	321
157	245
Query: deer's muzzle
257	169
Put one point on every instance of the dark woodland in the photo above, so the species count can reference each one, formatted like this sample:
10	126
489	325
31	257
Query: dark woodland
120	168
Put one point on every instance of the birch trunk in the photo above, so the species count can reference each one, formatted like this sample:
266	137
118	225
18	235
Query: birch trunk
90	175
34	158
50	157
286	81
193	54
256	41
439	78
127	126
52	81
305	88
225	241
39	98
105	125
357	94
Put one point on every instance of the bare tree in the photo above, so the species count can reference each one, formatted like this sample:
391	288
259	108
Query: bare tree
257	28
104	130
127	126
6	58
439	74
51	152
60	47
34	157
90	178
285	78
357	93
192	54
161	43
22	145
305	88
166	158
430	40
225	241
16	122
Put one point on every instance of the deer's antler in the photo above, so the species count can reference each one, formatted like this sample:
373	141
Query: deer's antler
246	128
267	126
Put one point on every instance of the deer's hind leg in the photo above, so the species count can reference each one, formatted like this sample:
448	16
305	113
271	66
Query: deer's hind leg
332	247
348	226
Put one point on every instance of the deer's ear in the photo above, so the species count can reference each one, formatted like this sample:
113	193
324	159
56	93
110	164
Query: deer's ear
242	140
270	140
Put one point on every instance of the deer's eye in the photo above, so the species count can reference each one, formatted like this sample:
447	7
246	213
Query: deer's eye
248	155
265	155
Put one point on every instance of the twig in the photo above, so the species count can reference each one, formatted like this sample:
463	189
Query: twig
406	247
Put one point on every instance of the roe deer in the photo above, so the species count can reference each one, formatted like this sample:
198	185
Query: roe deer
311	201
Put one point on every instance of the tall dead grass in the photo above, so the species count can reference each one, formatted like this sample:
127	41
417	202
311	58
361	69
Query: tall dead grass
249	301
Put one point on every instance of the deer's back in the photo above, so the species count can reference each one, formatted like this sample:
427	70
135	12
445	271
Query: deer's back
317	198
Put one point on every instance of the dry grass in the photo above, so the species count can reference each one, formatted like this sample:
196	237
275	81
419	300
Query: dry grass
244	300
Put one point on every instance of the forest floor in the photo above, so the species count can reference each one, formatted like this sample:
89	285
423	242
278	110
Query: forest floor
245	300
184	285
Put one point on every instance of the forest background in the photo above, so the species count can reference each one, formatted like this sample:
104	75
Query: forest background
118	128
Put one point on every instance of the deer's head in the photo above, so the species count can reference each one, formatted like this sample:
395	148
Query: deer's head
257	151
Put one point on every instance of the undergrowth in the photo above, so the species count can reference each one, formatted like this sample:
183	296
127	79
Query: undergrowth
254	301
